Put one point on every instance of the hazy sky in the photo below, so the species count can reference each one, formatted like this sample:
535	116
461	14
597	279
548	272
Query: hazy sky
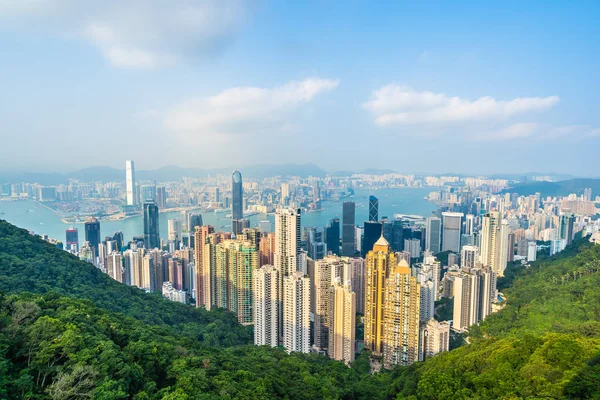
448	86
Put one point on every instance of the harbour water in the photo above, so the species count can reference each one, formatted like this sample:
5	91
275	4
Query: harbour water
36	217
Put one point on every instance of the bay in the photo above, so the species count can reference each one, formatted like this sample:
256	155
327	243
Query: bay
38	218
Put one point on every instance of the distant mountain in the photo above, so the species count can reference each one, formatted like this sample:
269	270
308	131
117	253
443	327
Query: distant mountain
259	171
101	174
163	174
368	171
555	177
561	188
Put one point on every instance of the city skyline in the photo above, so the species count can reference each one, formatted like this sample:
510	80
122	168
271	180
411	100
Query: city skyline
300	199
269	74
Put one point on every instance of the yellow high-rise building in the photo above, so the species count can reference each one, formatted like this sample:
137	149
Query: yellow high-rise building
401	317
392	307
379	261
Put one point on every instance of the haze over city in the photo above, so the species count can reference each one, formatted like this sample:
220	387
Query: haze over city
258	199
437	87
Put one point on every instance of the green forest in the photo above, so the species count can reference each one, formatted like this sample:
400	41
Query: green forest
560	188
68	331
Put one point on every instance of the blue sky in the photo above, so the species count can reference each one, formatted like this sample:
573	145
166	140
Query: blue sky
412	86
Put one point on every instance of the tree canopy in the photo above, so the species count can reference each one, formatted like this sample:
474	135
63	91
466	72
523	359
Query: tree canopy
68	331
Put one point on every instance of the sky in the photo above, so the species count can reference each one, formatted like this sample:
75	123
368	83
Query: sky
417	87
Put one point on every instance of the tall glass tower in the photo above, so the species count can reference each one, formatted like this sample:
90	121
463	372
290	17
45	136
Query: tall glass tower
130	183
373	208
237	200
151	232
348	229
92	233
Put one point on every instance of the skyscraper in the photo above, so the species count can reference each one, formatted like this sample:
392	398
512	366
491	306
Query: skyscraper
494	242
358	282
342	321
194	220
202	265
130	183
469	224
466	304
267	249
401	317
427	302
161	196
151	231
451	228
234	262
373	208
469	257
435	338
433	235
237	200
566	227
372	233
238	225
326	270
147	193
114	266
315	243
92	234
72	241
287	240
266	299
348	222
378	263
333	236
296	313
174	231
487	290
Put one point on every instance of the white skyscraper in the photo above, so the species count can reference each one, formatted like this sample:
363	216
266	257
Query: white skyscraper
433	235
287	241
466	311
266	305
494	242
469	224
435	338
174	230
130	183
487	290
413	246
469	257
296	313
326	270
427	300
115	266
531	251
451	227
433	267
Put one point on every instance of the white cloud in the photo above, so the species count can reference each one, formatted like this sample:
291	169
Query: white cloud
244	110
570	131
514	131
136	33
594	133
394	104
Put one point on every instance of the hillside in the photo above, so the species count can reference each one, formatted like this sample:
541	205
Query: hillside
561	188
65	328
28	264
544	344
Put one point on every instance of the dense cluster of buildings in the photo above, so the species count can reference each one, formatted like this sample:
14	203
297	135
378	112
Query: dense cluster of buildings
308	288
